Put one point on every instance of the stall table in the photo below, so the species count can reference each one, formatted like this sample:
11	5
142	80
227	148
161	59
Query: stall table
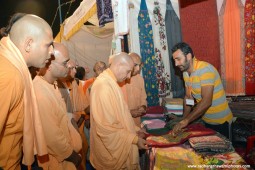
182	156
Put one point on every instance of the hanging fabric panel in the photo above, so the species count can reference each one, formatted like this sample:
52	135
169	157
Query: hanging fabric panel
199	21
249	15
148	55
221	37
104	12
160	47
234	71
174	35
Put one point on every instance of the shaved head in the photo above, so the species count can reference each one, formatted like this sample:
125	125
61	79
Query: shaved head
59	50
99	67
121	66
137	63
57	67
121	58
135	57
28	25
33	37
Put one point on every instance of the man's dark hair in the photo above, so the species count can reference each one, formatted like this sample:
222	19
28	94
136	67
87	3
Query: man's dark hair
80	73
184	47
14	18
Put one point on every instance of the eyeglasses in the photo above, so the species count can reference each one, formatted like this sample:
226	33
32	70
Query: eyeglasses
64	64
75	67
140	65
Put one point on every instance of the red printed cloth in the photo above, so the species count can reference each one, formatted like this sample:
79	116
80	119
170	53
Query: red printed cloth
167	140
202	31
249	18
155	110
206	139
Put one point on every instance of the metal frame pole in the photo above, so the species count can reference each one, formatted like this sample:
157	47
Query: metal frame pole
60	13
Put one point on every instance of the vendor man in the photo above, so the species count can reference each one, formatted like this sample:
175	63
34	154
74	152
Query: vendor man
205	95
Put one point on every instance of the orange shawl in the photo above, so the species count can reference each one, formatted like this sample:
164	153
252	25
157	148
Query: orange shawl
33	138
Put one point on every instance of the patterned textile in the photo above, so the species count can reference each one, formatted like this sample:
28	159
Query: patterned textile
161	51
148	55
177	158
174	106
209	145
155	110
199	21
159	20
154	124
171	122
195	141
249	15
153	116
174	35
230	158
104	12
168	140
162	77
221	38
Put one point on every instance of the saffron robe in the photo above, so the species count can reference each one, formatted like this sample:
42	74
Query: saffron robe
112	127
20	124
55	122
136	95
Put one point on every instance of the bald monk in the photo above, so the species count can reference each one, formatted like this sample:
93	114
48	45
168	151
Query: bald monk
136	95
98	68
27	42
114	140
58	130
77	103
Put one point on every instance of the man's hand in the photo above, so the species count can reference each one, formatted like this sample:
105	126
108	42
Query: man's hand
142	144
178	127
138	112
87	123
75	158
142	133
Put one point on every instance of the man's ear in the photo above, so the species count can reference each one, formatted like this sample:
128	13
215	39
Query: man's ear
28	44
189	56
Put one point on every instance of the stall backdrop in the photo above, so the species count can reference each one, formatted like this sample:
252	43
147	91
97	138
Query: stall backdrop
154	26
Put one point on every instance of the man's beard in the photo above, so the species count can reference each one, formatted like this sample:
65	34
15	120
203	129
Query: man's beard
186	65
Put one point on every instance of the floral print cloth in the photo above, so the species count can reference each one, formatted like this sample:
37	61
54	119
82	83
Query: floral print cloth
249	18
104	12
148	55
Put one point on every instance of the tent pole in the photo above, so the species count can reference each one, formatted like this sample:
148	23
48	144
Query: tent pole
60	13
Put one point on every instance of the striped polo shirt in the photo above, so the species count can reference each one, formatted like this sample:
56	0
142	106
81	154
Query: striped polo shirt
205	74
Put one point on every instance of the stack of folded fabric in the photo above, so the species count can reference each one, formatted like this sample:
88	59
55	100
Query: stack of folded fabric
155	126
213	144
173	106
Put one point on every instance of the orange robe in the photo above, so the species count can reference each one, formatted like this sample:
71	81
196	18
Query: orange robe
76	102
112	127
11	92
136	95
20	123
80	103
88	84
56	126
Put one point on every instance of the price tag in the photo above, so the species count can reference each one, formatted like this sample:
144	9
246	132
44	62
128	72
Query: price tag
190	102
